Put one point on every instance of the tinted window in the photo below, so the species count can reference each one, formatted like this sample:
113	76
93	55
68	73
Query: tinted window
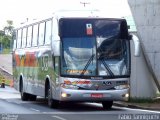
41	33
24	37
106	28
35	35
19	38
71	27
74	27
29	36
14	39
48	32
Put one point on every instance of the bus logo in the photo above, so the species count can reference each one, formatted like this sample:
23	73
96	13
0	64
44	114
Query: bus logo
108	83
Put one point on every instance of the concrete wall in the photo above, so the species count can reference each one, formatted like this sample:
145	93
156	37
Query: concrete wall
146	14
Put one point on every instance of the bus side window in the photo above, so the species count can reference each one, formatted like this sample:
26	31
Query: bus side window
48	32
24	37
29	36
14	40
56	65
53	59
19	40
35	35
41	33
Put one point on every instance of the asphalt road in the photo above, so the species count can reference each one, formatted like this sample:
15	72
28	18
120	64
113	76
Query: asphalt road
11	107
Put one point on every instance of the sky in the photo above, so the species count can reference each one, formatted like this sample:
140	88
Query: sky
19	10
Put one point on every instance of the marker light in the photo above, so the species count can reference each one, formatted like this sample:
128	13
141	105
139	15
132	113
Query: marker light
64	95
127	95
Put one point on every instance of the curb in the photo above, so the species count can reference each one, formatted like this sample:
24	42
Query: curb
129	105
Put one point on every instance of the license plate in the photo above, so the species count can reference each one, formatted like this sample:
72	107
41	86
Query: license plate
96	95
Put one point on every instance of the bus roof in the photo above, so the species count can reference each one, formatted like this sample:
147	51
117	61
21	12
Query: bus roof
85	14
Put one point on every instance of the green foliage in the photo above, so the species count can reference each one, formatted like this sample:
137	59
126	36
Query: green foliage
158	94
9	28
6	35
6	51
6	41
141	100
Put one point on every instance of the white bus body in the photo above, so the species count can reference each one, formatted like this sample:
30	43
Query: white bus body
73	59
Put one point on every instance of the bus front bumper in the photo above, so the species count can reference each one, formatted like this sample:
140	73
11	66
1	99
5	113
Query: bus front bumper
94	95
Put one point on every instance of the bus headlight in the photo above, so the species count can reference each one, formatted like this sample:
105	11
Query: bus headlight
127	95
120	87
64	95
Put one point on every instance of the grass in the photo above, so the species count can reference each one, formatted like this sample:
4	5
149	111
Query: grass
158	94
141	100
145	100
6	51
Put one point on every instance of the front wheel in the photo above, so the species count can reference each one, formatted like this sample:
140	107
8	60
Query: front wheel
52	103
107	105
24	96
32	97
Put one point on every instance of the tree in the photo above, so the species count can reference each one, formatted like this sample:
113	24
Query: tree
6	35
1	39
6	41
9	28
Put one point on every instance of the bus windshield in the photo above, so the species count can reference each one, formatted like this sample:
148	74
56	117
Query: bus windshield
112	57
76	52
103	51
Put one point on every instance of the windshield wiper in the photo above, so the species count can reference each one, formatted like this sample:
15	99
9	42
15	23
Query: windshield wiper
102	60
86	66
107	67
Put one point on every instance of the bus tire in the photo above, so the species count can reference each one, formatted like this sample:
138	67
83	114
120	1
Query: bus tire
52	103
107	105
24	96
32	97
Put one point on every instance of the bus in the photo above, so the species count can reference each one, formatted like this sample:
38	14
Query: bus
80	59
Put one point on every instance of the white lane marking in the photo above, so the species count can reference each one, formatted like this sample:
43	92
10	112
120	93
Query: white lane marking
60	118
35	110
74	113
21	102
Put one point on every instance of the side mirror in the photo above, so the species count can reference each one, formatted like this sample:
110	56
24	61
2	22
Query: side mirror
136	45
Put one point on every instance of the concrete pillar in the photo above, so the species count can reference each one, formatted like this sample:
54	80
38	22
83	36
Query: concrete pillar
142	84
146	14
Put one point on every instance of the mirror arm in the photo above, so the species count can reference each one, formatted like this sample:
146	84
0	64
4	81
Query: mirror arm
137	45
